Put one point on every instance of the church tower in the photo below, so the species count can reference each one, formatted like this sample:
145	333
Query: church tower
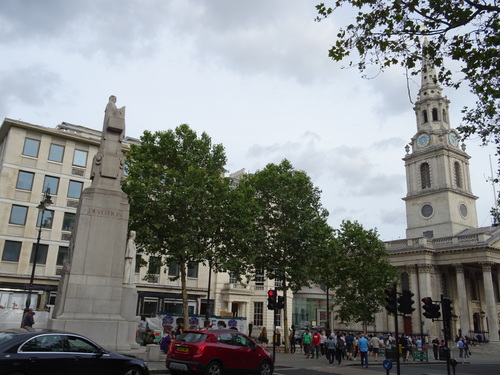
439	199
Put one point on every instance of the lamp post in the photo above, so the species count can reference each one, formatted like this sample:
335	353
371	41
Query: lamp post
46	202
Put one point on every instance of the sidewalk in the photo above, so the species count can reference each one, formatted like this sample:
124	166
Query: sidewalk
486	353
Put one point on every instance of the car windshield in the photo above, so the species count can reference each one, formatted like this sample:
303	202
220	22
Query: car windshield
5	336
192	337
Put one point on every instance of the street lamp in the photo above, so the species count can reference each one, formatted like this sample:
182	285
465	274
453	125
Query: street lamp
46	202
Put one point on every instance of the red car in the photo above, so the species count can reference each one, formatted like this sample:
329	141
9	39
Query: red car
217	352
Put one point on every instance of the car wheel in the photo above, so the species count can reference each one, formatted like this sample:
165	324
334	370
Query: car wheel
133	371
214	368
265	368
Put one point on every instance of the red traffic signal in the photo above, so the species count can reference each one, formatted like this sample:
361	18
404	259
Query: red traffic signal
271	299
431	310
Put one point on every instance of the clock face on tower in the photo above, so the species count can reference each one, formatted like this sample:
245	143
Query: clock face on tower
423	140
453	139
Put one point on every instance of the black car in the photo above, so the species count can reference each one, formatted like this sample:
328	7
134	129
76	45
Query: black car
57	353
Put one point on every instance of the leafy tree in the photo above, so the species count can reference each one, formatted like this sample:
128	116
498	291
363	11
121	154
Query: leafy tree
178	198
386	33
289	228
358	272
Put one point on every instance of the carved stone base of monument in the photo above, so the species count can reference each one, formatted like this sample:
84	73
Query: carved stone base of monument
93	298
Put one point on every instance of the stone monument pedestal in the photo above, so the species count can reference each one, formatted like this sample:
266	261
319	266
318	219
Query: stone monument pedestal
94	296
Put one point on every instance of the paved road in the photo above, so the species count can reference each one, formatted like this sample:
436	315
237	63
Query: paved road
485	359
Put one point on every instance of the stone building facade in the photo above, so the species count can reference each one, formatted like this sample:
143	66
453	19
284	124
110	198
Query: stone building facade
34	158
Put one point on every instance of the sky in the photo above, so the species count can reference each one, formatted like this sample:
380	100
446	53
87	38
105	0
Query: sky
254	75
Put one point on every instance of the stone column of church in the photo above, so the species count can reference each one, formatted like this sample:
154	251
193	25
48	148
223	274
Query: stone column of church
463	308
415	289
425	286
491	309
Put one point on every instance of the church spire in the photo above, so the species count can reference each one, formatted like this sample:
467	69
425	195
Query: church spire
429	86
431	107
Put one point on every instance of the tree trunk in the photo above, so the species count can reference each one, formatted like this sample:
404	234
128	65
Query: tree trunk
185	307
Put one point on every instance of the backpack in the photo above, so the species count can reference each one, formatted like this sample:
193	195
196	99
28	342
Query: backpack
340	343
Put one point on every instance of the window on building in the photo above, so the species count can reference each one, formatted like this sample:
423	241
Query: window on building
445	117
173	269
51	183
473	289
138	263
425	175
48	216
277	283
277	321
80	158
458	174
154	265
259	279
42	253
68	221
25	180
232	278
18	215
56	153
405	281
31	147
62	255
424	115
258	313
11	251
192	270
434	114
75	189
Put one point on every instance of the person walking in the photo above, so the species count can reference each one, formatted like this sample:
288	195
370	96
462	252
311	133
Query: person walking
28	320
339	347
330	349
363	350
292	339
306	343
316	339
263	337
375	344
435	348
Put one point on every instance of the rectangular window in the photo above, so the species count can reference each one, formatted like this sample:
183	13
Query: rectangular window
56	153
68	221
80	158
258	313
42	253
62	255
259	279
25	180
51	183
138	263
173	269
154	265
31	147
75	189
46	222
192	270
18	215
11	251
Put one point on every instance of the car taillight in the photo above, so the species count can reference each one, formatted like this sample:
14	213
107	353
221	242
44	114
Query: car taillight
200	350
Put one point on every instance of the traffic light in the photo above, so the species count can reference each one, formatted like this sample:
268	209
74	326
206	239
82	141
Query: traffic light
405	302
271	299
447	308
431	310
281	302
391	300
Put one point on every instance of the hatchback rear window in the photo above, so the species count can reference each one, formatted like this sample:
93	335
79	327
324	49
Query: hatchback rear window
192	337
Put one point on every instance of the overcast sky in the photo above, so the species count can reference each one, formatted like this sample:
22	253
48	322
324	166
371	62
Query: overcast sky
254	75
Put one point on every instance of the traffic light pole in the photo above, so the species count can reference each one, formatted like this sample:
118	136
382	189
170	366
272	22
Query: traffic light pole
275	313
446	338
396	332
